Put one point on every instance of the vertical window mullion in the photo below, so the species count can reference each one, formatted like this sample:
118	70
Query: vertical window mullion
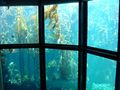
82	45
42	48
84	62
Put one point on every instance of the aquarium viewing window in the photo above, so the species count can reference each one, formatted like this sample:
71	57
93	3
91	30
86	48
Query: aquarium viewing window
103	68
103	24
19	25
61	69
20	68
59	45
62	24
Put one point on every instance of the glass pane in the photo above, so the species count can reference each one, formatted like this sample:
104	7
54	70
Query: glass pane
101	73
61	23
103	24
19	25
61	69
20	68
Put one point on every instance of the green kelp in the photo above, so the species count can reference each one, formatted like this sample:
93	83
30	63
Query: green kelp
68	67
51	13
14	74
65	69
27	29
21	23
53	25
21	26
53	65
34	27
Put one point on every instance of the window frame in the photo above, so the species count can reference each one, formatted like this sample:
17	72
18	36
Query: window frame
82	47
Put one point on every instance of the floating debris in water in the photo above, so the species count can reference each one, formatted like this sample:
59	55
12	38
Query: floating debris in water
103	86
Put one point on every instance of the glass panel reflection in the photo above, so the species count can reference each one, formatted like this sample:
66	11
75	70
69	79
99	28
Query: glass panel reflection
61	69
20	68
19	25
61	23
101	73
103	24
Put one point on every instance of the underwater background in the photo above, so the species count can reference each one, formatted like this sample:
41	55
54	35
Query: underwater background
21	67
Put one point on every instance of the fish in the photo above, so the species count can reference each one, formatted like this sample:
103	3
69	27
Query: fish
12	36
10	50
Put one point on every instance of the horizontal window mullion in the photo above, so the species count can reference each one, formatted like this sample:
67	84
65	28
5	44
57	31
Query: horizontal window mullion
7	46
102	53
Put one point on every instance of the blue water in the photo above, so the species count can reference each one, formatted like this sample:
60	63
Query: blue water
100	73
103	24
20	67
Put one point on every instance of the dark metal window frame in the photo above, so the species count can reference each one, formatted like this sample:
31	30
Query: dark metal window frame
82	47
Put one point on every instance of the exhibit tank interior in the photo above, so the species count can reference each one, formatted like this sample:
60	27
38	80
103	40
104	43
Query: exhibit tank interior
103	34
21	67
